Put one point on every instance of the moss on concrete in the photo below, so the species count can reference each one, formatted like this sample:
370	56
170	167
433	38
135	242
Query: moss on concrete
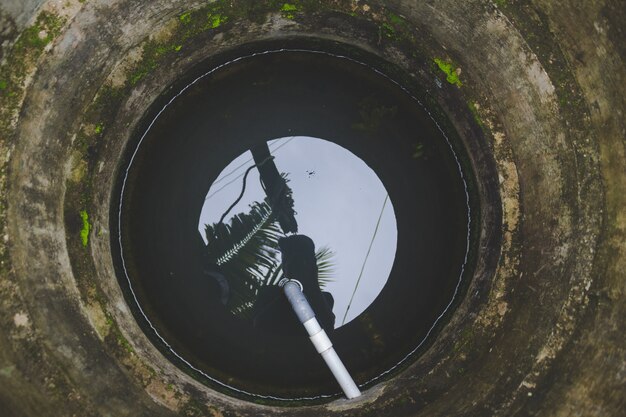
195	23
473	107
20	63
450	69
84	233
289	10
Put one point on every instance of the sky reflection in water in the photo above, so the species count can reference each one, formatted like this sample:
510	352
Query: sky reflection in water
338	202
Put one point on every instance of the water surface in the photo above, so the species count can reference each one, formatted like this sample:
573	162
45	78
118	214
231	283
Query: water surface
181	158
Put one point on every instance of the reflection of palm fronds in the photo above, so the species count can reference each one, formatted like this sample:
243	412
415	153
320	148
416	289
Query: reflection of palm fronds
247	252
325	268
325	265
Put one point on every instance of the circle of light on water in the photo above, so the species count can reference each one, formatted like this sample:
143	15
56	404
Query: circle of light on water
340	203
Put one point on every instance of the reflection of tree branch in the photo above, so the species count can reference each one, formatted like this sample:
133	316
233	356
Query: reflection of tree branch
279	194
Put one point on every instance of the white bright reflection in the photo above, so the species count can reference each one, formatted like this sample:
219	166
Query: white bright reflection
338	200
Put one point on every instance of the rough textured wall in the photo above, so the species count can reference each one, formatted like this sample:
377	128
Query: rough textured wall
541	84
14	17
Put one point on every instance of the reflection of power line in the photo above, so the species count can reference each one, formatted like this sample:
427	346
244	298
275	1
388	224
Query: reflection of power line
358	281
243	188
245	163
242	174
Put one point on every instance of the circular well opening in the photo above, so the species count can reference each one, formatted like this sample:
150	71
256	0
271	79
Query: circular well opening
381	175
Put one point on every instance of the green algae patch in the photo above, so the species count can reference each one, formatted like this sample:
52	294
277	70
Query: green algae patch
450	70
190	24
395	27
185	18
288	10
84	233
152	53
196	22
215	20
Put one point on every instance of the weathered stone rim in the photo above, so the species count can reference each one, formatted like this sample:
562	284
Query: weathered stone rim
562	249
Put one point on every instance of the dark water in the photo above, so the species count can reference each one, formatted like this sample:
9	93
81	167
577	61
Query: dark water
168	272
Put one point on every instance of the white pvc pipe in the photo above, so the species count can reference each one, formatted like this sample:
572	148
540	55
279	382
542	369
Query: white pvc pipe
319	338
